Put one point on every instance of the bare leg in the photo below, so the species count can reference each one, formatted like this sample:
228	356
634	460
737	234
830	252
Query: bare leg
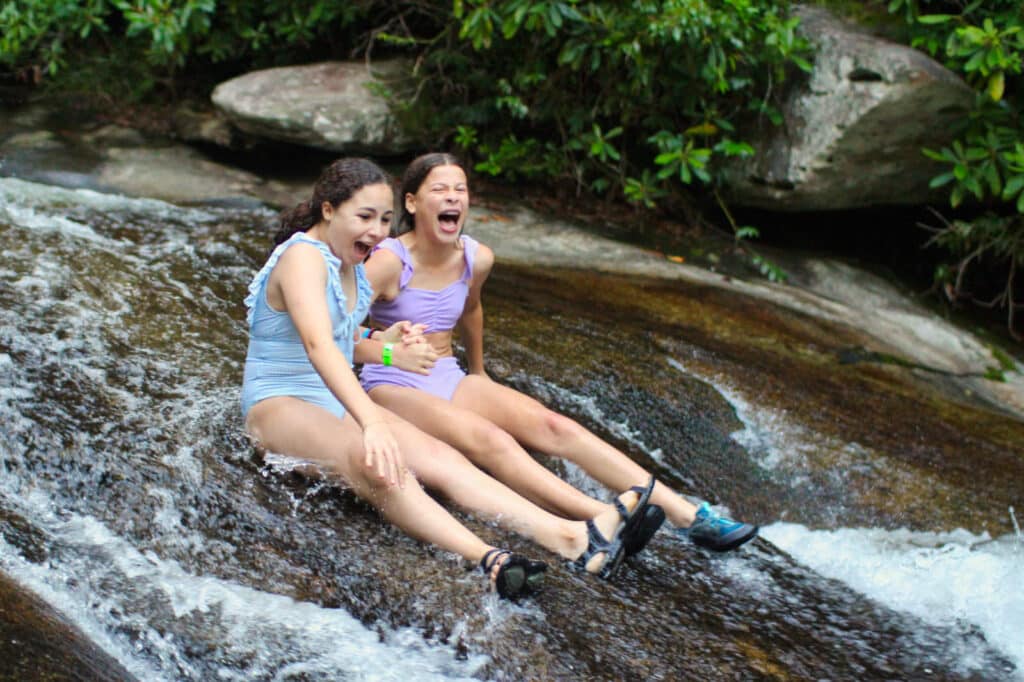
489	447
297	428
442	468
300	429
539	428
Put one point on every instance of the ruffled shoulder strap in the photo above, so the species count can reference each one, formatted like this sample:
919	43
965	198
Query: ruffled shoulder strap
258	281
364	293
396	247
469	246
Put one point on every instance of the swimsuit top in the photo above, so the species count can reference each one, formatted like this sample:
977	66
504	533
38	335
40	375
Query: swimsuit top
273	337
439	310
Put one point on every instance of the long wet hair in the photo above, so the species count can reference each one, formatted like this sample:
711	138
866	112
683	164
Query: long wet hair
416	172
336	185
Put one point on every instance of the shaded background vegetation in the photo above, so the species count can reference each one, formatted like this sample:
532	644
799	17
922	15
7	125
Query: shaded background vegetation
629	102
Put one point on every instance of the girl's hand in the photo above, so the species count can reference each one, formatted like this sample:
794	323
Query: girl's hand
418	358
382	454
405	332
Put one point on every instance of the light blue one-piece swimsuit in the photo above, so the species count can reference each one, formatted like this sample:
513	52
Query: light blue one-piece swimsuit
276	363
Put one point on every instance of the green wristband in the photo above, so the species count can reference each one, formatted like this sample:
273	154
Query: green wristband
385	355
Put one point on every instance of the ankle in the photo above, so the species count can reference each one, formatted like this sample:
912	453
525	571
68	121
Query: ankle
573	540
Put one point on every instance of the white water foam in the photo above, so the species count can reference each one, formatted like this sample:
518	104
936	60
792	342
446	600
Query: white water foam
941	578
273	634
139	607
769	436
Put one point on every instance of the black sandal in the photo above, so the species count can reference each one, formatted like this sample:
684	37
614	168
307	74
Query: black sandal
597	543
635	542
517	577
642	523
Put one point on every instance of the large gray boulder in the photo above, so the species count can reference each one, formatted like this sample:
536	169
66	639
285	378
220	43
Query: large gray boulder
853	131
331	105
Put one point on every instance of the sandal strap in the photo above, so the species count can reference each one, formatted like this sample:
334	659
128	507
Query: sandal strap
599	544
643	494
621	508
491	557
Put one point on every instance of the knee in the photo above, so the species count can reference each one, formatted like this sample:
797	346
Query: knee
494	447
559	428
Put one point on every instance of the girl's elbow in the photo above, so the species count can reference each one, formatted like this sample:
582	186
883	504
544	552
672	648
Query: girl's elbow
314	348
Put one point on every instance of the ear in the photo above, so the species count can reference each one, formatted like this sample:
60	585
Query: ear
410	203
326	211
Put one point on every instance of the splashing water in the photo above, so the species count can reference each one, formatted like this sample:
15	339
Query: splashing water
939	577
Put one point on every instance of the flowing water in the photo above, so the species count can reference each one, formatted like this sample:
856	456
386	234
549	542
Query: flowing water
131	501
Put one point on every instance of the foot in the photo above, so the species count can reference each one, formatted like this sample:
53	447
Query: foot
512	575
713	531
602	555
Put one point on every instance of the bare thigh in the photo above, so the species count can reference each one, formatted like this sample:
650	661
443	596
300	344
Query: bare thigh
296	428
526	419
484	442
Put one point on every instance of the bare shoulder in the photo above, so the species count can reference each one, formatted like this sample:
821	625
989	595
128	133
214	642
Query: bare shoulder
301	257
300	268
484	260
383	270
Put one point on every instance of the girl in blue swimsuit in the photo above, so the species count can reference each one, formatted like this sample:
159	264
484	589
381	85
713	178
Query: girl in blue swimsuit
300	396
433	274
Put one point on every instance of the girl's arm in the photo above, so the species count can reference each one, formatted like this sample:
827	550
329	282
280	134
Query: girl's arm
471	324
410	351
384	271
299	281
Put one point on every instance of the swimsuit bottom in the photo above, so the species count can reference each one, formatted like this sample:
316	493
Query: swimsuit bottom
442	381
262	382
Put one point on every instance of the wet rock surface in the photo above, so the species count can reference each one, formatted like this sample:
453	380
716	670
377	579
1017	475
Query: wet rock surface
36	643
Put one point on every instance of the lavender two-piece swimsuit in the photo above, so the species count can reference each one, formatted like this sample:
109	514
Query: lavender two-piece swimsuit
439	310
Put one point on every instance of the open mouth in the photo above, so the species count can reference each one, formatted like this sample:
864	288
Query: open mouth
363	249
449	220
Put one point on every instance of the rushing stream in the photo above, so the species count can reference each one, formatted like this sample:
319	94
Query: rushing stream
132	503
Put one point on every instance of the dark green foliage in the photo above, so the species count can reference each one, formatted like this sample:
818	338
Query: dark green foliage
172	37
637	100
632	99
983	40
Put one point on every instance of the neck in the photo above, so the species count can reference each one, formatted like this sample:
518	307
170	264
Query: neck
429	252
317	232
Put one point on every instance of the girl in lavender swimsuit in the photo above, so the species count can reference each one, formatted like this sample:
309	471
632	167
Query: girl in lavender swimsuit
432	274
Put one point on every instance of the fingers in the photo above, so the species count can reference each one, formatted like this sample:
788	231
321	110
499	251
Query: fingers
383	456
410	333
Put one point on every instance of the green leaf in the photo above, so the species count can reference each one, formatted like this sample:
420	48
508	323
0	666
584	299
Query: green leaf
935	18
996	86
1012	187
